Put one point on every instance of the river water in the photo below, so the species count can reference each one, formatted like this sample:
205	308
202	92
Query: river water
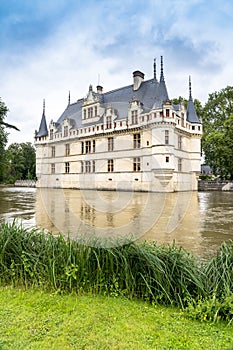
198	221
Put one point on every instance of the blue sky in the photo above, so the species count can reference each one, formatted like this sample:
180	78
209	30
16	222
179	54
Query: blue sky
48	48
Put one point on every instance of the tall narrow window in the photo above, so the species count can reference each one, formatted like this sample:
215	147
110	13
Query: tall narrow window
166	137
52	168
136	164
93	146
110	144
137	141
96	111
93	166
51	134
88	166
82	147
67	151
108	122
53	151
179	142
167	112
67	167
179	164
82	167
134	116
88	146
110	165
182	119
84	114
65	131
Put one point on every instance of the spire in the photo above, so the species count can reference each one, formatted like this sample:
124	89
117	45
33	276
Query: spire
155	69
161	73
68	99
43	130
191	111
190	89
161	93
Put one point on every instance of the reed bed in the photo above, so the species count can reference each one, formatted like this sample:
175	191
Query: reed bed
164	274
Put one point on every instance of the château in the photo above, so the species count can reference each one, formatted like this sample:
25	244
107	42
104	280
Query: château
131	138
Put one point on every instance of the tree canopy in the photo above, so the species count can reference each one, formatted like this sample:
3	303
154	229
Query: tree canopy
217	140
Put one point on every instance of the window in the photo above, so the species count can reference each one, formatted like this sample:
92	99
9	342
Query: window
179	142
110	144
95	111
93	166
82	147
179	164
182	119
137	141
137	164
53	151
67	151
84	114
88	146
88	166
167	113
110	165
193	127
166	137
52	168
65	131
67	167
134	116
108	122
51	134
93	146
167	159
82	167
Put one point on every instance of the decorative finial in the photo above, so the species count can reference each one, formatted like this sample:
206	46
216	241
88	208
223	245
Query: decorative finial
155	69
43	106
190	88
90	87
161	74
69	99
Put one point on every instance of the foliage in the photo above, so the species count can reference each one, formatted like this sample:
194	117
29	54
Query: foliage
217	141
3	113
21	159
164	274
197	104
33	319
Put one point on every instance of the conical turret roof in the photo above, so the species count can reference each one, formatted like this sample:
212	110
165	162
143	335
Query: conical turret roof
43	130
191	111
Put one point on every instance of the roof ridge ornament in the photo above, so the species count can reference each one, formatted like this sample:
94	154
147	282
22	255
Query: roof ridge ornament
155	78
68	99
190	88
161	72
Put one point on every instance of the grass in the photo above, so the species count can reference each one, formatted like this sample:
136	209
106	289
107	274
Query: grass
35	319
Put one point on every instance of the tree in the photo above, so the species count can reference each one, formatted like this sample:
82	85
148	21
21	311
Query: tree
21	159
217	141
197	104
3	113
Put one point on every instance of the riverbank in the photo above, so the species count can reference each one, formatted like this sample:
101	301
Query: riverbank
35	319
205	185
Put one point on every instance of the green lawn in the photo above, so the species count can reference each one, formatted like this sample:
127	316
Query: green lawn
33	319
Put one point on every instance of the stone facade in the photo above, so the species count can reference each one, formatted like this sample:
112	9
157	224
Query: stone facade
132	138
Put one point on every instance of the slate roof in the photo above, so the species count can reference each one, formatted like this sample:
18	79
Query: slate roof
43	130
149	93
191	111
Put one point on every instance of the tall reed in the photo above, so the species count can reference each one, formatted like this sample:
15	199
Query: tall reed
160	273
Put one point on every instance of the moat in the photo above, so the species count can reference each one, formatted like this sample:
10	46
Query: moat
198	221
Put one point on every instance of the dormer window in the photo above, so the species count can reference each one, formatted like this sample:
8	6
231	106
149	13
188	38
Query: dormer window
51	134
65	134
108	122
134	116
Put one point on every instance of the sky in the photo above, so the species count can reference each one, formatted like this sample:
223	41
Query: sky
48	48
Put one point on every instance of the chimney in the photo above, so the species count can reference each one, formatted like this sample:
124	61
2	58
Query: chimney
99	89
138	78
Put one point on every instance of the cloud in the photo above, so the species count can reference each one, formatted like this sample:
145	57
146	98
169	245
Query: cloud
49	50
